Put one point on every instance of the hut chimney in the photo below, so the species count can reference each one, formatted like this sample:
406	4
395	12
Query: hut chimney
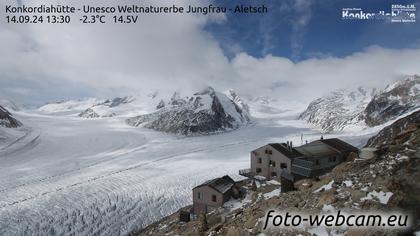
291	145
322	137
287	144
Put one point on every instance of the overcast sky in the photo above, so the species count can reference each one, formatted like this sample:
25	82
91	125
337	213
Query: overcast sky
300	50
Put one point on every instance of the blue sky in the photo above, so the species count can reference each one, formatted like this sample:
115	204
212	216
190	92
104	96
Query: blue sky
324	33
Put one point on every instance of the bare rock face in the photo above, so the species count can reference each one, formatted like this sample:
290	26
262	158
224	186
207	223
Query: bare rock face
205	112
89	113
160	105
397	99
7	120
396	132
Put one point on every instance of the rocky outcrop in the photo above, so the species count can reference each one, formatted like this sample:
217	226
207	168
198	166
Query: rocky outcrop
244	108
89	113
395	100
116	101
396	132
160	105
7	120
205	112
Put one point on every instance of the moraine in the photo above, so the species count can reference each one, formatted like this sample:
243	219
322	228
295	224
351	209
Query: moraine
206	10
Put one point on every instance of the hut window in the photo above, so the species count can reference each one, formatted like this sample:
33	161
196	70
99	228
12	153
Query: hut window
258	170
199	195
268	151
283	166
272	163
332	159
273	174
316	162
214	198
259	160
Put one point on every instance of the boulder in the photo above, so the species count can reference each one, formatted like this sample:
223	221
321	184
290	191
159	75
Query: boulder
327	199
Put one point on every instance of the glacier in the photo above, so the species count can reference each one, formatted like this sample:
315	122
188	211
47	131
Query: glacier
61	174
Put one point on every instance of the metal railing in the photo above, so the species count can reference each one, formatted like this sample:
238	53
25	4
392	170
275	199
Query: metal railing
245	172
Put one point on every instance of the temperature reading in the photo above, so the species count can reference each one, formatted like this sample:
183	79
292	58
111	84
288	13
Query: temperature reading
92	19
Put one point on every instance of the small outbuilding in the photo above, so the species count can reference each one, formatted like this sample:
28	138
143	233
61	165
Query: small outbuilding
287	182
212	194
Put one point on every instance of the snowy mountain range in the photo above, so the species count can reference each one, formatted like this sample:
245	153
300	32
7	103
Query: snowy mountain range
106	108
205	112
95	108
338	109
344	109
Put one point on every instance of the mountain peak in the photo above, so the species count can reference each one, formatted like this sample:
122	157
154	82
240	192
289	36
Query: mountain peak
206	112
208	90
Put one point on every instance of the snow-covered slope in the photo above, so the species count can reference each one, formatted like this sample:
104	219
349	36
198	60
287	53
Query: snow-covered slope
362	108
7	120
339	109
205	112
396	99
108	108
5	103
126	106
71	106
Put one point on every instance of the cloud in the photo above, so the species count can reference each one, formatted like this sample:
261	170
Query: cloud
169	52
299	14
308	79
159	50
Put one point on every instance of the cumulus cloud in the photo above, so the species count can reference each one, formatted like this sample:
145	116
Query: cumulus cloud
160	50
170	52
308	79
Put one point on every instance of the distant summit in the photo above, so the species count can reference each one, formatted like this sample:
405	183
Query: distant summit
205	112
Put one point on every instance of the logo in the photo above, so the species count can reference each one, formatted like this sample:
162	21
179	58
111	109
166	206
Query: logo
398	14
